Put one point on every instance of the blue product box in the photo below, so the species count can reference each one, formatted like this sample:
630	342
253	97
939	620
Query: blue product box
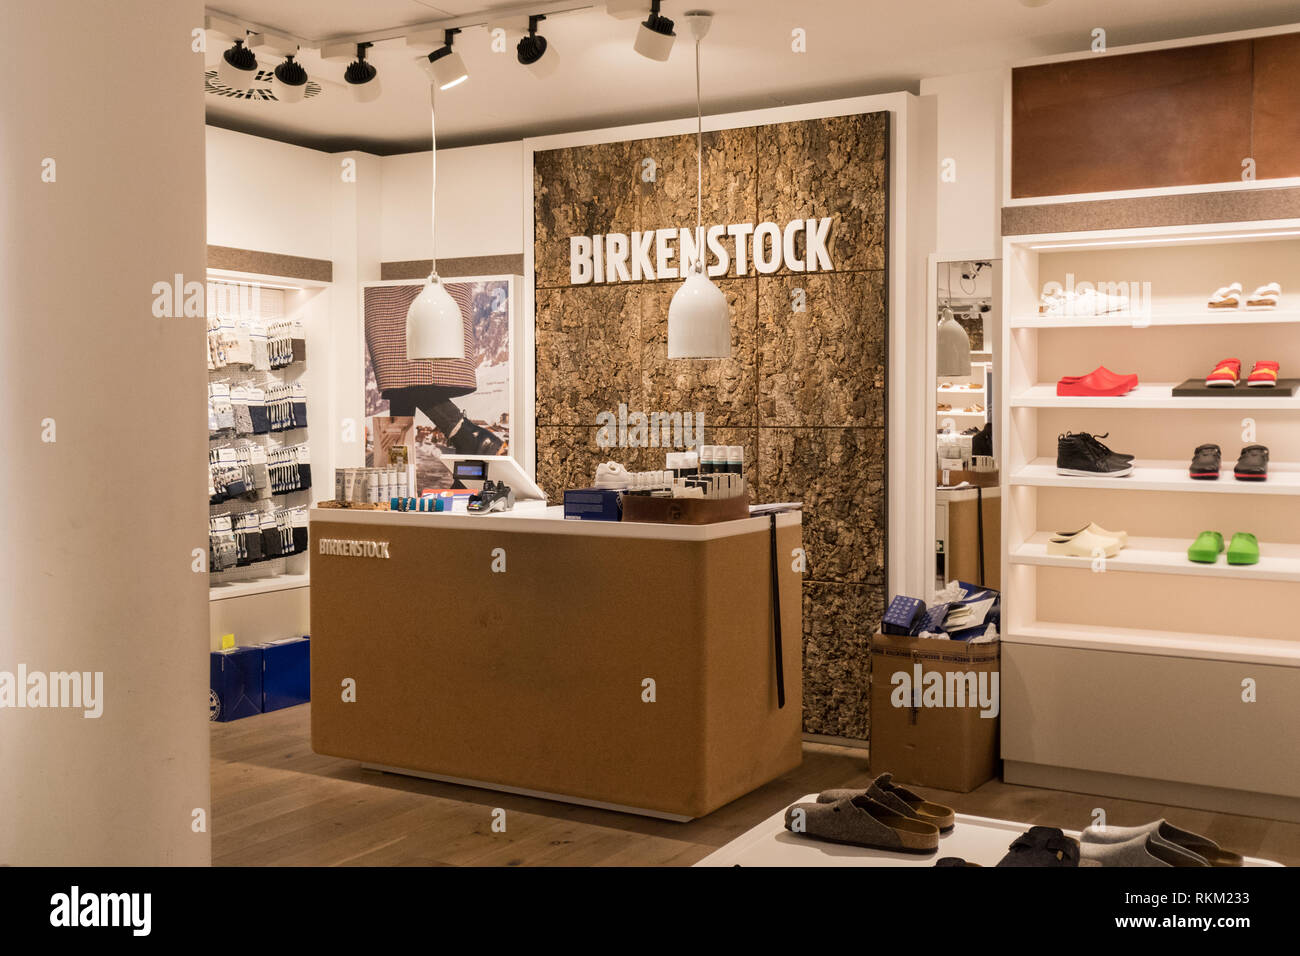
593	504
235	681
901	615
286	673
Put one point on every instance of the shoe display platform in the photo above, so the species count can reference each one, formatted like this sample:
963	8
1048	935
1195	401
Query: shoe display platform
1196	388
975	839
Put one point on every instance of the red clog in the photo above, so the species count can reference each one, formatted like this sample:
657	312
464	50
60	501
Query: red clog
1099	382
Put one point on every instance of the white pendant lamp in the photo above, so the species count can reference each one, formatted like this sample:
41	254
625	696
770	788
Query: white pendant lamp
953	349
435	328
699	320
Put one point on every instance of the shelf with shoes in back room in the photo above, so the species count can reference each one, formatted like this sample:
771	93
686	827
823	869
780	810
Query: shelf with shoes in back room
1202	317
1277	562
1157	395
1283	479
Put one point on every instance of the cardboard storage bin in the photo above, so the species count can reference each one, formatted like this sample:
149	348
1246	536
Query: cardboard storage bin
944	742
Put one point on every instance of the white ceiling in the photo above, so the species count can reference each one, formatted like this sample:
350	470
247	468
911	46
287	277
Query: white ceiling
855	47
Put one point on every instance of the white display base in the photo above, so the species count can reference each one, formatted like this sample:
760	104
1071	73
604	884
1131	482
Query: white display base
975	839
562	798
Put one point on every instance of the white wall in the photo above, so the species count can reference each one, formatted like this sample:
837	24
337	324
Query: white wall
100	524
970	133
269	196
480	203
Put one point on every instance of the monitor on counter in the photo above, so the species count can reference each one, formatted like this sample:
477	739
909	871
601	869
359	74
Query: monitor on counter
498	468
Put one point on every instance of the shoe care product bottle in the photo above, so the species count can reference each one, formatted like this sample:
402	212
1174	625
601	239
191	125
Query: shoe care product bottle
706	460
690	464
735	459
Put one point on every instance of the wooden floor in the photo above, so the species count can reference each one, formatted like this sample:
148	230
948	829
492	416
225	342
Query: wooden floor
274	802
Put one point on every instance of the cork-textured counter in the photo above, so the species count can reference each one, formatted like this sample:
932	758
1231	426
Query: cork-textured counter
532	678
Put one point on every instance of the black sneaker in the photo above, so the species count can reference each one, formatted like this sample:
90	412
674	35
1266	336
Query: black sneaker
1092	439
1084	456
1252	465
1206	461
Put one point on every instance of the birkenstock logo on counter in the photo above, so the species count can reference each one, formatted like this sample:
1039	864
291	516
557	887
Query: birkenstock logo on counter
920	688
352	548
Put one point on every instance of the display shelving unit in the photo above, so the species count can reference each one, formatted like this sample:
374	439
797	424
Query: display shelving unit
297	305
1108	667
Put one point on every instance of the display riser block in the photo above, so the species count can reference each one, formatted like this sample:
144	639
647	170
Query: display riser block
1163	792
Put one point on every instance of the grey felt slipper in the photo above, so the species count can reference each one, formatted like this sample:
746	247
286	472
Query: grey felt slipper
900	800
861	821
1165	831
1144	849
873	791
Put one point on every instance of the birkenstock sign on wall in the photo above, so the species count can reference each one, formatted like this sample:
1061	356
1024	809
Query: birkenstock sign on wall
801	246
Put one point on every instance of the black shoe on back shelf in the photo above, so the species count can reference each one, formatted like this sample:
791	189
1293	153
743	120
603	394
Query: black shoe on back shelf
1084	456
1252	465
1206	461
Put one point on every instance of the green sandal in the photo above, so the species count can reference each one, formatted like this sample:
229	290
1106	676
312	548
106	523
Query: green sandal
1205	549
1243	549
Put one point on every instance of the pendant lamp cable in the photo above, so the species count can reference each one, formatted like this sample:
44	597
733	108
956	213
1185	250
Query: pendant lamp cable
699	164
433	195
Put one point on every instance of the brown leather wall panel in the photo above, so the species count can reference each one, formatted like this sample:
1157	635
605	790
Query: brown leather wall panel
1166	118
1277	106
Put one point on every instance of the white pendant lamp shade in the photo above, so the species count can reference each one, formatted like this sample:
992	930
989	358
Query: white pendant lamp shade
699	322
435	329
953	347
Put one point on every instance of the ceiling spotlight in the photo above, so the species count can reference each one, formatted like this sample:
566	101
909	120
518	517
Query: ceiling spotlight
445	65
361	77
238	67
654	38
534	53
289	82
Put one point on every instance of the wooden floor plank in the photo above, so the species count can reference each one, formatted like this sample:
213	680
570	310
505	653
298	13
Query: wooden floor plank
275	802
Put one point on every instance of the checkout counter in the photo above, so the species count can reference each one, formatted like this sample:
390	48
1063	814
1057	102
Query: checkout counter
624	665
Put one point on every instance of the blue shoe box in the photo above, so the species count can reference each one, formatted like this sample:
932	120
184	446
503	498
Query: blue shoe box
235	681
593	504
286	673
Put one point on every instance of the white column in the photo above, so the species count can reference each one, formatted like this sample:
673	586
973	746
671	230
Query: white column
99	524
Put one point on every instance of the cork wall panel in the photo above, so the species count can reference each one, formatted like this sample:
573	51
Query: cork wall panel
803	391
825	167
579	192
830	372
730	175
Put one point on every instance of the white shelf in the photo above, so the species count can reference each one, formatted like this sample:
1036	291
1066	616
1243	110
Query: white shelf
1158	319
1277	562
1126	640
1153	395
236	589
1283	479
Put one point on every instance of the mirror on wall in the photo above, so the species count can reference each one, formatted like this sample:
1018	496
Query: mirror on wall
967	505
